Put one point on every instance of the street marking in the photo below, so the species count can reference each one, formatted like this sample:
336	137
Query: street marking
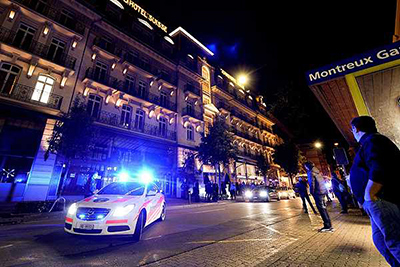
7	246
208	211
230	241
153	237
276	231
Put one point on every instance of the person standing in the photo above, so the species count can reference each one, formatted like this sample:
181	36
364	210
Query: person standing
340	191
318	191
232	190
303	192
374	180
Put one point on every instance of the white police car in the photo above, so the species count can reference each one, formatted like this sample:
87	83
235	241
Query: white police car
120	208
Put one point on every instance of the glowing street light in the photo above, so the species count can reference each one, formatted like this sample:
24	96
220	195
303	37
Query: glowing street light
318	144
242	80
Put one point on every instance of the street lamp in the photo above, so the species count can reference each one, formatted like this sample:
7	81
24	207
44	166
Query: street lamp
242	80
318	144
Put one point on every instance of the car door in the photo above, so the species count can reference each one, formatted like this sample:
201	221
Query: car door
152	199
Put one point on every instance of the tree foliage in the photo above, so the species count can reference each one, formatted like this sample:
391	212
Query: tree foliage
217	146
73	133
287	156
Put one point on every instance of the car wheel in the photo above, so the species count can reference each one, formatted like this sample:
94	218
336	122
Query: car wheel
288	197
163	215
279	199
267	200
137	235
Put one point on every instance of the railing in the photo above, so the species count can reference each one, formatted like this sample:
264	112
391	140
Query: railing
102	78
192	113
149	68
161	102
24	93
247	154
247	136
193	89
107	46
36	48
153	130
54	14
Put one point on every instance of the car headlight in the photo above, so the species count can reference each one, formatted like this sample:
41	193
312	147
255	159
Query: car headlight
248	194
72	209
263	194
122	211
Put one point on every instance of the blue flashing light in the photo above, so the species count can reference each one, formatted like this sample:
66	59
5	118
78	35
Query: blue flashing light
82	216
146	176
123	176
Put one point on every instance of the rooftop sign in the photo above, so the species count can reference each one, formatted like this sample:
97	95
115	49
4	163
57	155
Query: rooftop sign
372	58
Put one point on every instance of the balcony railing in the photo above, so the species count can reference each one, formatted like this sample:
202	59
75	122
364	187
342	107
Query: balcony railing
247	154
24	93
38	49
247	136
161	102
153	130
193	89
107	46
54	14
192	113
100	77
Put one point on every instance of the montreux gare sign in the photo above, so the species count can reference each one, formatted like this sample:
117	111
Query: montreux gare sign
372	58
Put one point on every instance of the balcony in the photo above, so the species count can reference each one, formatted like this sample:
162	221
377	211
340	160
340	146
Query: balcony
24	93
247	136
107	46
144	128
192	89
192	113
38	49
162	102
247	154
105	79
54	14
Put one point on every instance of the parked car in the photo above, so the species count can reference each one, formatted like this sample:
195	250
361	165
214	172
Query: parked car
283	193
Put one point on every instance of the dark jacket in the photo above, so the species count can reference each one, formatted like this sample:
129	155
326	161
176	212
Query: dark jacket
377	159
302	189
316	182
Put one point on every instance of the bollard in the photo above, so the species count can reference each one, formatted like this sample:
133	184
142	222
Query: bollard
190	198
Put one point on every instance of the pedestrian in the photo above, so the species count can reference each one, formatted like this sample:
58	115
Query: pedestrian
374	180
196	192
223	191
232	190
302	189
339	190
215	192
318	191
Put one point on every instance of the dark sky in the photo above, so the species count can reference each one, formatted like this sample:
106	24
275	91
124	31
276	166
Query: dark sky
281	40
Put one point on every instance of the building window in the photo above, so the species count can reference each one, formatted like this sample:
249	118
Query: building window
189	108
126	116
139	119
41	6
129	84
142	88
43	88
94	105
163	99
100	72
189	133
24	36
66	18
8	76
56	50
162	129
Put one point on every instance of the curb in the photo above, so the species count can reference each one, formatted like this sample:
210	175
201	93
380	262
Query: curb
175	207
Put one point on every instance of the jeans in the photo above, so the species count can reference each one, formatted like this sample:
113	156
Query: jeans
385	223
342	199
304	198
321	206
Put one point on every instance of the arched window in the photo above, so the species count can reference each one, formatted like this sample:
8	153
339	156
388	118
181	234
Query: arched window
8	76
126	115
162	129
43	88
94	105
139	119
189	133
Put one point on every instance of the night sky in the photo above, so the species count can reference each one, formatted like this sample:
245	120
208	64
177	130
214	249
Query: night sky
278	41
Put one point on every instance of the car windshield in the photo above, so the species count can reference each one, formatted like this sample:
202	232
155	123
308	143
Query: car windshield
126	188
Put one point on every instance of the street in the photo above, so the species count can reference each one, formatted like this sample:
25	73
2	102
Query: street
221	234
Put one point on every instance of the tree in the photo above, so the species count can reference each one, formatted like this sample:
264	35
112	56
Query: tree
287	156
263	165
217	147
72	137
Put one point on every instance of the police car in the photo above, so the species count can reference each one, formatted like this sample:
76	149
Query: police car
120	208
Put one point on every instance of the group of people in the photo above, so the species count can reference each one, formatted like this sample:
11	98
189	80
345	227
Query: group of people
373	184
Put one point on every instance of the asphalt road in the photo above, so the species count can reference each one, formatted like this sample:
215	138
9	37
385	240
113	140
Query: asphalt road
44	243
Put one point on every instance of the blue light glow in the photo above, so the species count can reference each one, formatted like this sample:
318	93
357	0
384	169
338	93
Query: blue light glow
82	216
100	217
146	176
123	176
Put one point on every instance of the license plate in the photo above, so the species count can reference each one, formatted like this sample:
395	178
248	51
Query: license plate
86	226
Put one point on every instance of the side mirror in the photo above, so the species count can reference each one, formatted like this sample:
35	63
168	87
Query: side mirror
95	191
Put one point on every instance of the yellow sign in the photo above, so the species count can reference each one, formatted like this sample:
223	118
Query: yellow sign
144	13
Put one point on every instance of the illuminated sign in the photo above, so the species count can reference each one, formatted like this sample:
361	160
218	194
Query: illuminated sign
375	57
145	14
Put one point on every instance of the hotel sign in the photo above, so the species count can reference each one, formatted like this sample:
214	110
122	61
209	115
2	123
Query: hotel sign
375	57
145	14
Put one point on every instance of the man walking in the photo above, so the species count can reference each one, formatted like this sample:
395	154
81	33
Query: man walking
375	182
339	190
303	192
318	191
